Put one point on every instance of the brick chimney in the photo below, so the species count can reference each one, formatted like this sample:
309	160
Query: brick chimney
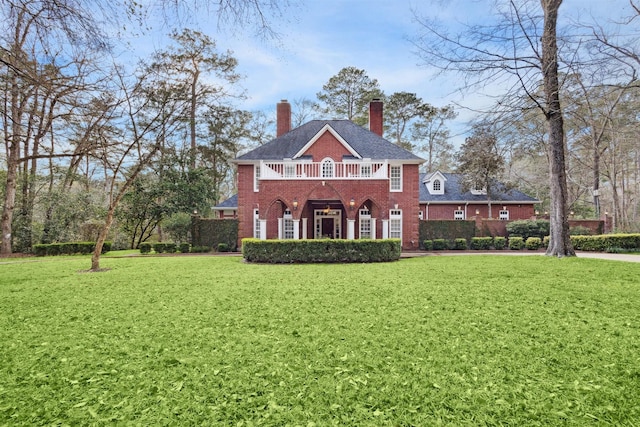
283	117
375	116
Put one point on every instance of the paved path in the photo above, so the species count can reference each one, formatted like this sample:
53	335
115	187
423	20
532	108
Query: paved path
580	254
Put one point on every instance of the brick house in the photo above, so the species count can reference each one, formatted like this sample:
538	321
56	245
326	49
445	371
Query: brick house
335	179
442	196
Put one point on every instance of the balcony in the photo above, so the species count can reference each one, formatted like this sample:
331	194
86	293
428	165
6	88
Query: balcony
323	170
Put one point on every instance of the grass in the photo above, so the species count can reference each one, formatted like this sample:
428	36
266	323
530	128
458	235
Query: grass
465	340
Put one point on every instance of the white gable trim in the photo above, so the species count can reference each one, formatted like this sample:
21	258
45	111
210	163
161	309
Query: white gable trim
434	175
317	136
430	180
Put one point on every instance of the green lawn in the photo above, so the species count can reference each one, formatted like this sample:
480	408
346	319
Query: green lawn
464	340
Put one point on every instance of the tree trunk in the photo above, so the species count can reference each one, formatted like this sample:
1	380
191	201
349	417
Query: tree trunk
9	205
559	243
102	237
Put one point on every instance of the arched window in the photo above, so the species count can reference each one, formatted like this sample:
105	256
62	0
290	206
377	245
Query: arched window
436	185
327	168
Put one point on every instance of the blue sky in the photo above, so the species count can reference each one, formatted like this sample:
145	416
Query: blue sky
320	37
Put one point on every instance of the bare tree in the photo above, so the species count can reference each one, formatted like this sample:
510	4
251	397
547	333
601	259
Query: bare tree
520	50
147	114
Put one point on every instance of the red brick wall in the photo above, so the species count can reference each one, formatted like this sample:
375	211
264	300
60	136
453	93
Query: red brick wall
267	200
433	212
327	146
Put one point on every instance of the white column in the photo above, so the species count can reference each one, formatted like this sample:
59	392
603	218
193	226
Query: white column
304	228
296	229
263	229
385	228
351	229
373	228
280	228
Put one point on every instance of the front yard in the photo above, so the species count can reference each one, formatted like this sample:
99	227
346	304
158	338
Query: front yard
466	340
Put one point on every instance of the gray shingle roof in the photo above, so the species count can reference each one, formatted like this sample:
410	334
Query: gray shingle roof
453	193
366	143
230	203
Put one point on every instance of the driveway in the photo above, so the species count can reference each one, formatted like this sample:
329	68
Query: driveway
580	254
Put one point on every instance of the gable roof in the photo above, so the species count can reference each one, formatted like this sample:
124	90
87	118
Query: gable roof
453	192
362	141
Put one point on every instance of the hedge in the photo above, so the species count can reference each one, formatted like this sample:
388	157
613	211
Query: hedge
606	242
447	229
211	232
68	248
320	251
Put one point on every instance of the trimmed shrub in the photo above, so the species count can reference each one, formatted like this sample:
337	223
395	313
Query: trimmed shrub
528	228
605	241
320	250
460	244
533	243
580	230
170	247
516	243
145	248
159	247
185	248
545	241
223	247
428	245
499	242
439	244
481	243
200	249
69	248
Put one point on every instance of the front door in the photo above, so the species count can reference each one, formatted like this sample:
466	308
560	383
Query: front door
328	224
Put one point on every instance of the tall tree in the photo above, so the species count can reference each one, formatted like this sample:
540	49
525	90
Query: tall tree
480	162
190	67
400	109
35	37
431	135
519	47
347	95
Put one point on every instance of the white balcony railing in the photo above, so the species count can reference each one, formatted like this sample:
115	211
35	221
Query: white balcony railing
322	170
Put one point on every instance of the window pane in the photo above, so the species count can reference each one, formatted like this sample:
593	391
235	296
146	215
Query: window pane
395	178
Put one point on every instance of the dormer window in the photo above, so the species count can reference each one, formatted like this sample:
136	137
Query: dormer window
435	183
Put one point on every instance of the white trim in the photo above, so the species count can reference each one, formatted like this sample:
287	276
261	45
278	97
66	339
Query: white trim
256	178
391	178
335	214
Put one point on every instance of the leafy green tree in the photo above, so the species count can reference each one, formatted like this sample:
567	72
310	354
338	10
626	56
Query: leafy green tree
480	161
227	127
178	226
347	95
142	209
399	110
431	135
